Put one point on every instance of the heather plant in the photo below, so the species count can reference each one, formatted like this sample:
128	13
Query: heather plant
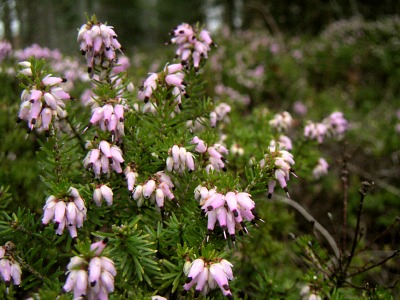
163	192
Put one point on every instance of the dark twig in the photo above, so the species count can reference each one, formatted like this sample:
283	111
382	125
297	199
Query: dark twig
345	180
395	253
365	188
387	229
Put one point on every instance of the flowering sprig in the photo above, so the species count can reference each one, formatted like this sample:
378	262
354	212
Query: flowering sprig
103	158
278	162
282	121
91	275
335	125
214	153
230	210
283	142
179	160
193	44
172	79
43	99
156	189
207	275
9	267
219	113
98	42
321	169
109	117
66	211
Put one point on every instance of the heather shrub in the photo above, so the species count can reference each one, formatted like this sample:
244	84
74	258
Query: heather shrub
215	175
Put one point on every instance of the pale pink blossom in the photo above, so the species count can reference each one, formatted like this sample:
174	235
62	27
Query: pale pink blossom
321	169
9	267
98	42
70	214
92	277
282	162
193	44
206	275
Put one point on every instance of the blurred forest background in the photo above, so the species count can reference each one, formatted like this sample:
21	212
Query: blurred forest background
144	23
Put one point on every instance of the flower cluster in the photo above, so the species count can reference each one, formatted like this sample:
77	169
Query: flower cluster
103	192
320	169
192	44
98	42
91	277
104	158
41	103
5	50
219	113
230	210
109	117
334	125
215	153
279	161
156	190
179	159
68	211
282	121
283	142
9	268
207	276
171	77
38	52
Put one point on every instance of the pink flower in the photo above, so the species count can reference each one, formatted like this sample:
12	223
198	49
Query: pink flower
93	277
102	159
98	42
69	214
230	210
103	192
156	190
282	121
179	160
44	103
281	161
300	108
334	125
207	275
9	267
320	169
193	44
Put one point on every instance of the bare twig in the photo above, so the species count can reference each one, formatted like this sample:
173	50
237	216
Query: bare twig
395	253
345	181
379	235
363	192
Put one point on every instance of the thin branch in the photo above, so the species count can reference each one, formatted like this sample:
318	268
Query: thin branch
345	181
310	218
379	235
363	192
395	253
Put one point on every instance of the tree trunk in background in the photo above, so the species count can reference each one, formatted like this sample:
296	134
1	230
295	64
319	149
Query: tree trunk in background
229	13
6	18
